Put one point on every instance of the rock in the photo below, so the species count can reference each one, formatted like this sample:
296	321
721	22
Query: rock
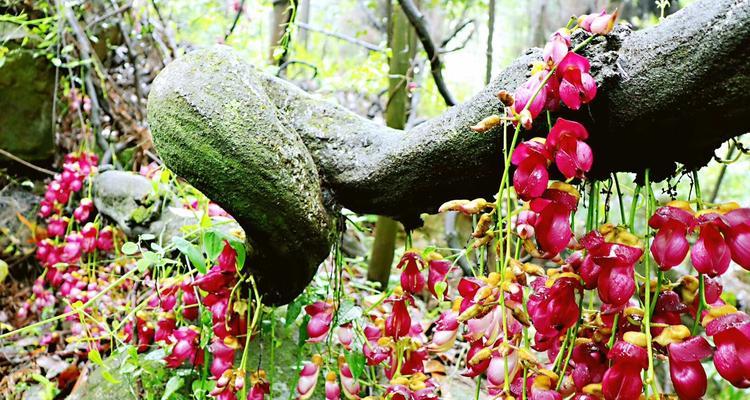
118	194
132	203
120	387
26	91
214	125
15	237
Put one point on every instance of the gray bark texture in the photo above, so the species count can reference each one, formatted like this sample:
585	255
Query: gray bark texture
282	161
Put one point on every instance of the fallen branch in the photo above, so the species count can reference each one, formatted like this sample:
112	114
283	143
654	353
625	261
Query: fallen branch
25	163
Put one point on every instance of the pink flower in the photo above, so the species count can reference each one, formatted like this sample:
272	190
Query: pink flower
349	384
321	314
497	367
309	377
164	328
345	335
476	364
616	280
56	227
685	369
373	351
556	48
214	280
577	87
446	330
436	273
223	355
185	347
83	211
531	177
333	392
227	260
412	264
105	241
524	93
601	23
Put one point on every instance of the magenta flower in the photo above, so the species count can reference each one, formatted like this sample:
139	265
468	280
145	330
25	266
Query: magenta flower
623	379
321	315
398	322
496	368
227	260
412	280
731	334
711	255
345	334
531	177
56	227
616	280
552	228
573	156
685	369
215	280
553	309
185	347
165	328
476	363
589	364
738	236
577	87
670	245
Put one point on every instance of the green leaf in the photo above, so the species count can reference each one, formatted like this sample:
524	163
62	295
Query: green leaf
129	248
239	247
109	378
292	311
356	361
348	312
173	385
440	288
213	244
191	251
95	357
303	331
148	236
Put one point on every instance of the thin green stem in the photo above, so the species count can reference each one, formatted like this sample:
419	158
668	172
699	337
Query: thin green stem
647	305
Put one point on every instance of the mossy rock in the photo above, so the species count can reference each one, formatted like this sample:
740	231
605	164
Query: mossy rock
26	92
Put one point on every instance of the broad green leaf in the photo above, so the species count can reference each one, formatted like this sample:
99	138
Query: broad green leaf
292	311
129	248
356	361
147	236
173	385
191	251
109	378
213	244
95	357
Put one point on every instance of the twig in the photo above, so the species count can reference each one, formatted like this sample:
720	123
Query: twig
84	46
110	14
456	31
26	163
420	26
722	172
236	19
286	64
341	36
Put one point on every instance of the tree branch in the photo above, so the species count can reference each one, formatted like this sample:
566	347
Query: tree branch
420	26
281	161
341	36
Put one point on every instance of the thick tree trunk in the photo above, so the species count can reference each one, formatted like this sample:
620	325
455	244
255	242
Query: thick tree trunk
668	94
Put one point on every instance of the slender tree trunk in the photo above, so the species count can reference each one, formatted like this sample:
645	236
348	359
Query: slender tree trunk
304	16
490	34
402	41
282	15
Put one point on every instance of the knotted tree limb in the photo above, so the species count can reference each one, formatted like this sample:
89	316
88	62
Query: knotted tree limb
282	161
